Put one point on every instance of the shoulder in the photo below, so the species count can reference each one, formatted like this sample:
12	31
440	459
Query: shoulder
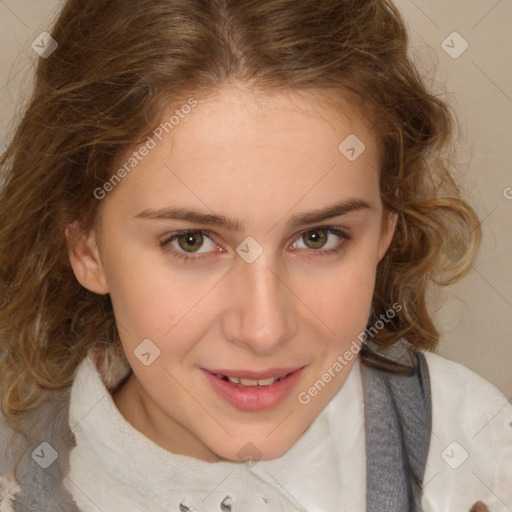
467	405
459	388
38	454
470	453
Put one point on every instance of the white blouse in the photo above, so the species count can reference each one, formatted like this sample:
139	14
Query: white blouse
115	468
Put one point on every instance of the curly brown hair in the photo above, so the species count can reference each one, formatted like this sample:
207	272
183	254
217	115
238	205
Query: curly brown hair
101	93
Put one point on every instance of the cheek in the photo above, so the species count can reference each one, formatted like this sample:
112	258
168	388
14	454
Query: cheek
154	299
148	297
349	283
342	299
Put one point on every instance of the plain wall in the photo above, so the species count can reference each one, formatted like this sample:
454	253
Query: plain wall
476	318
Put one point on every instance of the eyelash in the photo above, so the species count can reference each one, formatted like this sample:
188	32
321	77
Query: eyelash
345	239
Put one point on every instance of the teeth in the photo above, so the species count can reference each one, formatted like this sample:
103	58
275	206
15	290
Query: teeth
252	382
265	382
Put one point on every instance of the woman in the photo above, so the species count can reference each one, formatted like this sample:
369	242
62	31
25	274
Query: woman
222	220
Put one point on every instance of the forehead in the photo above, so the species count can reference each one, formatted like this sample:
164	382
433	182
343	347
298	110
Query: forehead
255	149
234	115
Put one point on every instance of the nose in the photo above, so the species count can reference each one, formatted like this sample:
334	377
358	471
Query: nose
260	311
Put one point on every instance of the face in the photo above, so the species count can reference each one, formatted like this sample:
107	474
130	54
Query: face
243	245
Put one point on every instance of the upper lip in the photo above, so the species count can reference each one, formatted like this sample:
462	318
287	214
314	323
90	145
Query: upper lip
255	375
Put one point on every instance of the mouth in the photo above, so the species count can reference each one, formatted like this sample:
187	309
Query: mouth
253	391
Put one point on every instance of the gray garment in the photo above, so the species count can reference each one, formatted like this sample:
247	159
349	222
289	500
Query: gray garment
398	417
398	424
42	490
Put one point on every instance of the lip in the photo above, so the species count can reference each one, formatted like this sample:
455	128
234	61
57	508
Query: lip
253	399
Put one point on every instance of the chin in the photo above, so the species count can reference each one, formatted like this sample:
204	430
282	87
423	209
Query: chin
253	449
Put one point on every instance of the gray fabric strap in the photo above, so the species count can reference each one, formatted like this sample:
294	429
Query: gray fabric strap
398	421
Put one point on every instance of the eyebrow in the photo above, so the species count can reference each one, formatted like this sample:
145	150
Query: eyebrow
334	210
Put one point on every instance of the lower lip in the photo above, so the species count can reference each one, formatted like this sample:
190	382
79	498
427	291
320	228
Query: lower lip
257	398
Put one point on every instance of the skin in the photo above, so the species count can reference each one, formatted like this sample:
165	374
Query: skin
261	160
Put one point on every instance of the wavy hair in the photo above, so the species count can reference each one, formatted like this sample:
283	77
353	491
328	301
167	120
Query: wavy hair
101	93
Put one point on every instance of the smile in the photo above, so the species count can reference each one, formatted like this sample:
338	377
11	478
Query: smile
253	391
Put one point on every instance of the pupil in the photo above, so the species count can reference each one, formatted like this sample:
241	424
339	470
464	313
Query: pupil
317	238
190	241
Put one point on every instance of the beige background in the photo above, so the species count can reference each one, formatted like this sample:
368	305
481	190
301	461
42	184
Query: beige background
476	318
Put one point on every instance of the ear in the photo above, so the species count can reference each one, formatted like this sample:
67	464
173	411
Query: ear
85	260
388	227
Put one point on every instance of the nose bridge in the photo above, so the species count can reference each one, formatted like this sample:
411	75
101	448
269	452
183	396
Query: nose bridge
262	307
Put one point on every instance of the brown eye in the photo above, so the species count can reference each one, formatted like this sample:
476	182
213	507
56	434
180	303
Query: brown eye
322	241
316	238
190	245
190	241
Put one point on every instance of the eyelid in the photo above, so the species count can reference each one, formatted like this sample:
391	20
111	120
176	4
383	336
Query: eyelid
325	227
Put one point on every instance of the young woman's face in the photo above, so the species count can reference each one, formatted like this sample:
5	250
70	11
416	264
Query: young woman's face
244	244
